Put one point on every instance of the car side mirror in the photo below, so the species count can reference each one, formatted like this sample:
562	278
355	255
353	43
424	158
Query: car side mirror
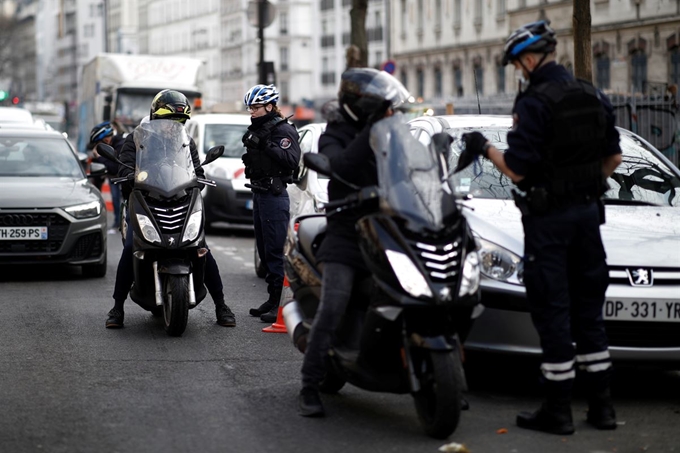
213	154
319	163
441	142
96	169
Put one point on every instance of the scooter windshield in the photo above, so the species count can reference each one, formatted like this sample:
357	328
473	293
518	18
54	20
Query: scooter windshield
411	177
164	164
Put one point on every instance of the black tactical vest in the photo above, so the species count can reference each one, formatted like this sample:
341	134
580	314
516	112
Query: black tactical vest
261	165
576	135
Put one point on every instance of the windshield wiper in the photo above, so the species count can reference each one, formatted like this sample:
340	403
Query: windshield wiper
620	202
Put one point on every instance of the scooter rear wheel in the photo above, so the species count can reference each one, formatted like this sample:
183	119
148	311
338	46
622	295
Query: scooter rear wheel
438	402
176	304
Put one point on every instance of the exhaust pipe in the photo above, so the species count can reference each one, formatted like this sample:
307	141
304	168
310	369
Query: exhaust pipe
294	320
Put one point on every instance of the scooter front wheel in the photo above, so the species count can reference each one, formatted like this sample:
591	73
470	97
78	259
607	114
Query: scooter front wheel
438	402
332	382
176	304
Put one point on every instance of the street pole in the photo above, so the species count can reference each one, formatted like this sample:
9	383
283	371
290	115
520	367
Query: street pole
261	17
105	13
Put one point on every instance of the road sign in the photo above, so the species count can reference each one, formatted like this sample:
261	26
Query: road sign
389	66
269	14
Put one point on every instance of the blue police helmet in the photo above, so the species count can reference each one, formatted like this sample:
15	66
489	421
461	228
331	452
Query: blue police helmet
534	37
100	132
261	94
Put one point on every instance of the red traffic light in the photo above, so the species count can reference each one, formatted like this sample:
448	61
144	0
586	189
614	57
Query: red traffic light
15	100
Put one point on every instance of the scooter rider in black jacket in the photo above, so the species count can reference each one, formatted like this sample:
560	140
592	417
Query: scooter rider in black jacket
167	104
365	96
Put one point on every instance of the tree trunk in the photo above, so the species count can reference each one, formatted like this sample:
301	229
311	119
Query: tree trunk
583	53
357	52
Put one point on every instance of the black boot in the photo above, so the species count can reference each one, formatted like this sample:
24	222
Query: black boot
225	317
262	309
271	315
309	403
553	417
601	412
115	318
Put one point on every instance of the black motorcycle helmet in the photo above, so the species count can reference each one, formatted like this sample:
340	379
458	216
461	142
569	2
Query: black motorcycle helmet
170	105
366	93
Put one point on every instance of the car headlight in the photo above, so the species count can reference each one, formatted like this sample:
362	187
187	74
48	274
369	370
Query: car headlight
470	281
148	230
499	263
409	276
85	211
193	227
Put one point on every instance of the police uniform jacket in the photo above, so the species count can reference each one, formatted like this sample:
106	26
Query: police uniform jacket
280	151
531	117
352	158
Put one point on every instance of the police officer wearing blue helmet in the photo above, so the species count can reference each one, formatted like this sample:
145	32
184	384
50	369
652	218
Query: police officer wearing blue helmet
272	155
561	149
104	133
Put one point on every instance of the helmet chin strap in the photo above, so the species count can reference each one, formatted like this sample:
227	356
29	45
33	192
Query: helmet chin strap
350	113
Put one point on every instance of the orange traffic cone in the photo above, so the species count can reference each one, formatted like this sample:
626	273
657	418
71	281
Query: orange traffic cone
279	325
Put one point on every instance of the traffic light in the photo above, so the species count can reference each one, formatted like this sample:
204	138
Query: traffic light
15	100
3	95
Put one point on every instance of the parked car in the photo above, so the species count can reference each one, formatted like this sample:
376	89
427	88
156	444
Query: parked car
230	202
49	211
310	189
641	238
15	115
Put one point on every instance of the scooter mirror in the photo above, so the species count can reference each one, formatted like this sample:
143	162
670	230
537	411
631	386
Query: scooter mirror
213	154
319	163
106	151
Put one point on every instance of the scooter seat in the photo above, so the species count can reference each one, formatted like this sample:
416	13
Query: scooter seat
311	231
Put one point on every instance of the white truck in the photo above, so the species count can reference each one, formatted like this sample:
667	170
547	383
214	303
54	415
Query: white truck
120	88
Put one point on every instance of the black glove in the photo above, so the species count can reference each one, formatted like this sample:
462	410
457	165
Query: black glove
250	140
474	143
247	160
474	146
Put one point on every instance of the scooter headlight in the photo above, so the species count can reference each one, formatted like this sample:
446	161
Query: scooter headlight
470	282
148	230
193	227
409	276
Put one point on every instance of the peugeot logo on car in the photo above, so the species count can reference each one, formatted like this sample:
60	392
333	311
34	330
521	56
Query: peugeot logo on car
640	277
16	220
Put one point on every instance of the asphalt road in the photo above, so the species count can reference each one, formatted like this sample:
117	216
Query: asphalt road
69	385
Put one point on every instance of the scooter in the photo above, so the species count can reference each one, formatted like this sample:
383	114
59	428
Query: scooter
400	333
166	213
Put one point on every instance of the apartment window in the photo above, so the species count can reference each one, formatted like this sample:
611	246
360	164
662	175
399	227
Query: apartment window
457	12
378	59
501	7
403	75
675	65
283	23
403	17
283	92
458	80
479	5
438	15
88	30
421	16
522	3
420	80
478	73
638	62
438	82
602	76
326	4
500	77
284	58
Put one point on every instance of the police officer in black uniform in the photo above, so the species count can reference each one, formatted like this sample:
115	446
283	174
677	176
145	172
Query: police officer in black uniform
272	155
173	105
562	147
365	96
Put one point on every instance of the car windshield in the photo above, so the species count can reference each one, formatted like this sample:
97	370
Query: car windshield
29	156
228	135
642	177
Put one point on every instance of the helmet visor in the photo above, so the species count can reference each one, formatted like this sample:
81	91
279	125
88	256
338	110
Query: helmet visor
387	87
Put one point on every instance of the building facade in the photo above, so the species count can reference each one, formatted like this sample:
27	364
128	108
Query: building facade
450	51
122	24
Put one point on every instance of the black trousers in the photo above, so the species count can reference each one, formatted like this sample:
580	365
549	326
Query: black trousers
271	214
566	277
